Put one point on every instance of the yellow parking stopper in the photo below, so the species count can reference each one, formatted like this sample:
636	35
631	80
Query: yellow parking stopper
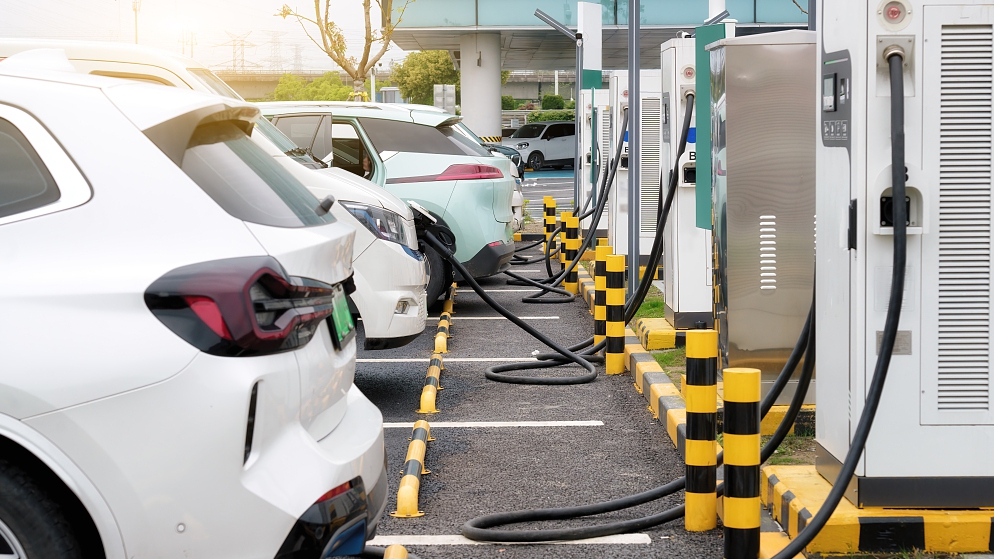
395	551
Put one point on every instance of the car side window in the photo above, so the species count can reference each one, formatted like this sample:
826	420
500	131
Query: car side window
300	129
549	134
25	183
348	151
562	130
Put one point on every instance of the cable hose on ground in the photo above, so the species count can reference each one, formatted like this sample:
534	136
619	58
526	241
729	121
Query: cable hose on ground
481	528
557	280
548	360
895	63
591	373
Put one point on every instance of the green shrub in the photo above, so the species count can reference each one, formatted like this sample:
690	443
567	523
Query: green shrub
541	116
507	103
571	104
553	102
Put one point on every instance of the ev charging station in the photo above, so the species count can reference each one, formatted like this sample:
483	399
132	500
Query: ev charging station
930	442
649	162
686	248
763	168
594	141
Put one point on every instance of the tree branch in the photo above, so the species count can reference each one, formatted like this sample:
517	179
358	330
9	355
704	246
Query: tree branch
799	7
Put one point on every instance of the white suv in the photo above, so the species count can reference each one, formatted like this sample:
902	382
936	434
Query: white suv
390	271
178	354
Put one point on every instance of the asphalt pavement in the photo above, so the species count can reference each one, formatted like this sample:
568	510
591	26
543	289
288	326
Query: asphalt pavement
618	450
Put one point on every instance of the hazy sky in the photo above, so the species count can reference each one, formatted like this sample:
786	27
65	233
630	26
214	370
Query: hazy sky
163	23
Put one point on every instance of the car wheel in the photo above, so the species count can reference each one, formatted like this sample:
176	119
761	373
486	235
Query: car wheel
440	274
31	523
535	161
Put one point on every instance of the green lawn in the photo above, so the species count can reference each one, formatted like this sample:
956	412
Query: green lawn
652	306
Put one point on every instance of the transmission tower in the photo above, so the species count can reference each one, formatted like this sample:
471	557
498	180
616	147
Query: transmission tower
238	44
275	61
188	38
298	59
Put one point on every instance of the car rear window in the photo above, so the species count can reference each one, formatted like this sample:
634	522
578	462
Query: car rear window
25	183
392	135
247	182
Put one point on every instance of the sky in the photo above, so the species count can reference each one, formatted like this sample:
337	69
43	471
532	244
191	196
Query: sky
272	43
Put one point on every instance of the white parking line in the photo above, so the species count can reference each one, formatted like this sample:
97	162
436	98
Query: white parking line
620	539
532	290
496	318
446	360
485	424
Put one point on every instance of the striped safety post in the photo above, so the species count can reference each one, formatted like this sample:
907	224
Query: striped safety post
563	219
741	431
600	286
614	314
433	378
414	467
395	551
442	336
572	281
701	446
549	208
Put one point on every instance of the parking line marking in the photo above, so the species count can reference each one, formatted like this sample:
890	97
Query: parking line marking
446	359
620	539
487	424
497	318
532	290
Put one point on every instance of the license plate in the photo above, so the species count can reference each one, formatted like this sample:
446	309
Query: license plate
342	327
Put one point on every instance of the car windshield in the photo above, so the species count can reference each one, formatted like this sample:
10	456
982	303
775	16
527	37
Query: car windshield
529	131
214	83
245	181
461	127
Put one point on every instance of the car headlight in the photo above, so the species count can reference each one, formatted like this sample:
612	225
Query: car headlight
385	224
522	145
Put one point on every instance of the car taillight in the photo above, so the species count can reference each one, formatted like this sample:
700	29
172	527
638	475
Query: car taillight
246	306
468	172
335	492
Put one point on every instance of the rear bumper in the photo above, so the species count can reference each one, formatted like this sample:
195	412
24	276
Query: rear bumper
339	526
491	260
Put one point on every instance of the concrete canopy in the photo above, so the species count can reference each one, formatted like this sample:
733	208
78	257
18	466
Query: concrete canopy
531	48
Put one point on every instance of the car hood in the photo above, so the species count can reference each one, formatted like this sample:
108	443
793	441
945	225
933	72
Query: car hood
367	192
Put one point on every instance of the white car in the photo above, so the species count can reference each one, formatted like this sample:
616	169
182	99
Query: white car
545	144
178	353
390	270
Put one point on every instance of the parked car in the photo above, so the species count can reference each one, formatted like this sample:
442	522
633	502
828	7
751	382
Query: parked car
542	144
518	199
390	274
199	399
418	155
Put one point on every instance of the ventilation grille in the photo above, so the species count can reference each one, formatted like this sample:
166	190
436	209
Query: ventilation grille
768	253
652	111
964	218
605	131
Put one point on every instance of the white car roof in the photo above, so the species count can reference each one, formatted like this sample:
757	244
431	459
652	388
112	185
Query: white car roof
101	50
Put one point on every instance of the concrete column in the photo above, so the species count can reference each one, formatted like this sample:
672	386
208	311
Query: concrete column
480	82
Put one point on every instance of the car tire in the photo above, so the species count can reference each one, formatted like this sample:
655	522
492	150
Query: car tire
440	274
535	161
32	519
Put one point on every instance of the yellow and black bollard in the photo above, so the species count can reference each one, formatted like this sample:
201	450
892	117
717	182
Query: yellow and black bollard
572	280
549	206
414	467
429	393
600	293
741	426
563	219
702	420
614	315
395	551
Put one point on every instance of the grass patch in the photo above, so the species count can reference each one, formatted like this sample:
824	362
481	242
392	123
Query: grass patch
524	211
794	450
672	358
652	306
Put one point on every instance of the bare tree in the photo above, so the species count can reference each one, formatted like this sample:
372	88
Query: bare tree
332	41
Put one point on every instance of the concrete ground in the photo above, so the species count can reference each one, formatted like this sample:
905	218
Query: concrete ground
481	470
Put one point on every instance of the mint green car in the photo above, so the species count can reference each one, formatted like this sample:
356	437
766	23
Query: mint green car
421	156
